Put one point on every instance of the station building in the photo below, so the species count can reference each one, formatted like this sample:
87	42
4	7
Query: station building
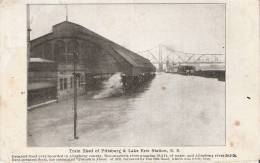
50	75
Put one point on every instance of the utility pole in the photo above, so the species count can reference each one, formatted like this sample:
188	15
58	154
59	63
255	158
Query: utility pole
76	75
28	36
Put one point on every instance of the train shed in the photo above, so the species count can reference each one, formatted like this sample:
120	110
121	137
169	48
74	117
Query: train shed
98	58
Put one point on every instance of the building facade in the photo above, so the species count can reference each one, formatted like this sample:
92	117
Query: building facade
97	57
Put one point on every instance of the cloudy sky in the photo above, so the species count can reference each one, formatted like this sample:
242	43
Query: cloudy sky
193	28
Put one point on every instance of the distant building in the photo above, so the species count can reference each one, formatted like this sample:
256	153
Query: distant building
99	58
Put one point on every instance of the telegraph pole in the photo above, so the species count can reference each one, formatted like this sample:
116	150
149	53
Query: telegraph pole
28	36
75	77
75	94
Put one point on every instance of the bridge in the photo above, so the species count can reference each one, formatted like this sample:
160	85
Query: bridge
168	59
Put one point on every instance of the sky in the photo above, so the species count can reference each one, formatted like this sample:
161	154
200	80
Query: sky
191	28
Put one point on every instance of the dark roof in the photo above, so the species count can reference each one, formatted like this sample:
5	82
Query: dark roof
130	56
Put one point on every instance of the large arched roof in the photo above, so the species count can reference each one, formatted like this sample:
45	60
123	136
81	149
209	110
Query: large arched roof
69	29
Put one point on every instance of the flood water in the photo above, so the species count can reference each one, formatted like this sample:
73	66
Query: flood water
171	110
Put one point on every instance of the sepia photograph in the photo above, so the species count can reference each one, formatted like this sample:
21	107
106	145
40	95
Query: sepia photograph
126	75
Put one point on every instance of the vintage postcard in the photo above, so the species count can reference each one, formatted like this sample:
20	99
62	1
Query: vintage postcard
129	81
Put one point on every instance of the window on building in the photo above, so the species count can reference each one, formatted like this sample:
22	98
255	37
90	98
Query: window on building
37	51
82	79
59	49
73	47
61	84
47	51
65	83
71	82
